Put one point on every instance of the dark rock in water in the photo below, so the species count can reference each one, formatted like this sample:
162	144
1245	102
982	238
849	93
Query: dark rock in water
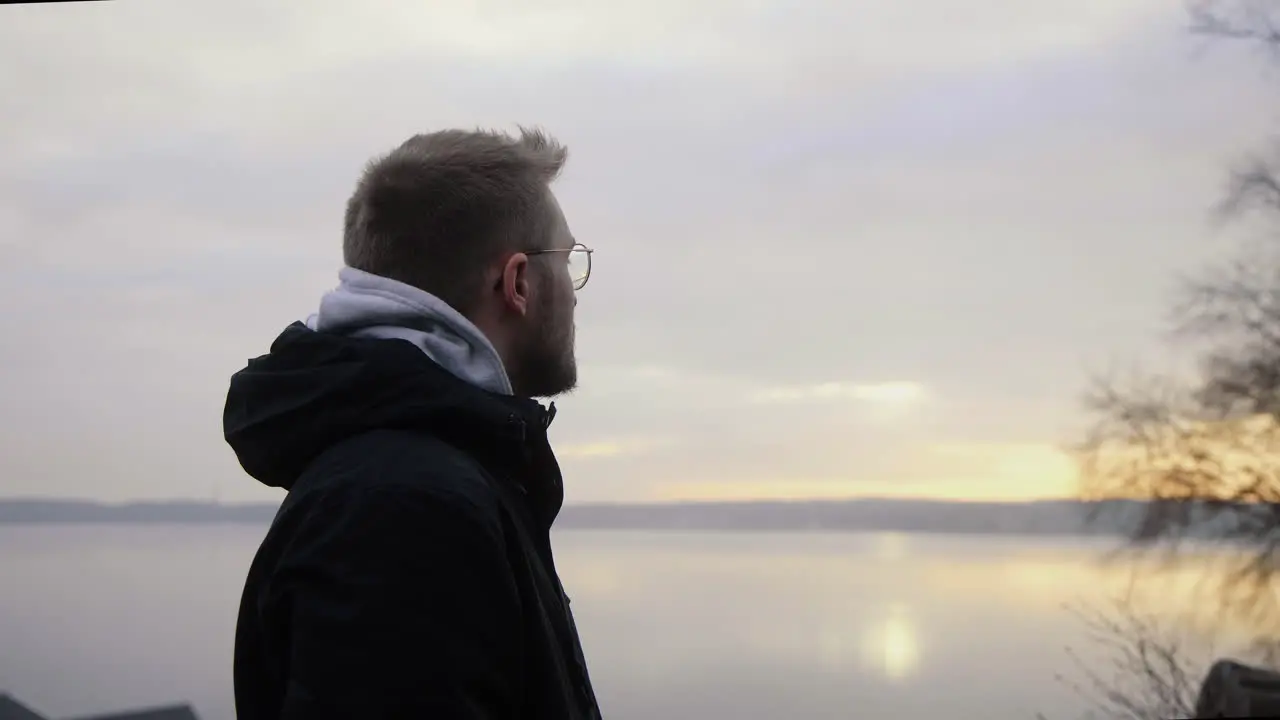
11	709
170	712
1235	690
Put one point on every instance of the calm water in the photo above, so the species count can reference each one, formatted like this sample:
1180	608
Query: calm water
95	618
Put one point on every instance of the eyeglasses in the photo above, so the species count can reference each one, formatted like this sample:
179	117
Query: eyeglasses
579	262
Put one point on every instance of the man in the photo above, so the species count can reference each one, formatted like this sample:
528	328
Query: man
408	572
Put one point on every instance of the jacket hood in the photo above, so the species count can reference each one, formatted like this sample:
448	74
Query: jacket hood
315	389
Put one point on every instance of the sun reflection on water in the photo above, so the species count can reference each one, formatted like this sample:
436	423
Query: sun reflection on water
892	646
890	546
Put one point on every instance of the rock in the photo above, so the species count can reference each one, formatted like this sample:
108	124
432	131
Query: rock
1235	690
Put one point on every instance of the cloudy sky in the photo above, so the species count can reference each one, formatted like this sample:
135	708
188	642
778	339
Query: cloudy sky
870	247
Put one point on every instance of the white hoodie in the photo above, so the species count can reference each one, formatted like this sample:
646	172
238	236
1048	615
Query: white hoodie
368	305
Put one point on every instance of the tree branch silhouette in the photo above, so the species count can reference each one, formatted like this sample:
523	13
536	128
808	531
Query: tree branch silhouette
1205	452
1147	673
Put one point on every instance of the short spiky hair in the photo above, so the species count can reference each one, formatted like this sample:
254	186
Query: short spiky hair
434	212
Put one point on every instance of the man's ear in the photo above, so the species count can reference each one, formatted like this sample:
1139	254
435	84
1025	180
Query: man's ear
513	284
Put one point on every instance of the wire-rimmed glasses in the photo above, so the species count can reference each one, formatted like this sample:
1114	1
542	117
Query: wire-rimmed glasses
579	262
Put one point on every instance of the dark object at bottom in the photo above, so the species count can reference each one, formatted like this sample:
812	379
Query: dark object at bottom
1234	690
11	709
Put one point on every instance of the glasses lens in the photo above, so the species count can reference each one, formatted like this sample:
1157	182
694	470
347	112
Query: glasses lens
579	267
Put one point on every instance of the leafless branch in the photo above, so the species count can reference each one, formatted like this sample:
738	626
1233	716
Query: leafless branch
1149	671
1205	454
1256	21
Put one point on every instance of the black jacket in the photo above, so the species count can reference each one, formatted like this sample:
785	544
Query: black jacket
408	572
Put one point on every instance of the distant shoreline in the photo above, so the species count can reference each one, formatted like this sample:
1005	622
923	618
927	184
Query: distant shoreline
1044	517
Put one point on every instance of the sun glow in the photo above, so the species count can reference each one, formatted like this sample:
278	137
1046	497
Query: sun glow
892	647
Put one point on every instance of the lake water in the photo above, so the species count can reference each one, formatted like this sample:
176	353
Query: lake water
688	625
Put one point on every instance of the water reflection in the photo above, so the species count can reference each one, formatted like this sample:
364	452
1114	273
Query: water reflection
967	616
676	625
890	546
892	647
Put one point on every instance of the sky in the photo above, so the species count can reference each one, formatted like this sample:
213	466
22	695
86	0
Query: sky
842	249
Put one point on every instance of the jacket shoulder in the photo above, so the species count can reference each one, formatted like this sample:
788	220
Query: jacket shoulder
419	468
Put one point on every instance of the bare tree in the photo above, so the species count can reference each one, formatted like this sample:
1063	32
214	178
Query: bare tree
1254	21
1206	451
1148	670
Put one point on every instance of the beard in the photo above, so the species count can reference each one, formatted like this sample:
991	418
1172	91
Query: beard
546	365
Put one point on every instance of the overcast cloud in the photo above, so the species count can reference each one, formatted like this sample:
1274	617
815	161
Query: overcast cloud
842	248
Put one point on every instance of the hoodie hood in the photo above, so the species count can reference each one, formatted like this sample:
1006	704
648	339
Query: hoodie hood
371	306
316	389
